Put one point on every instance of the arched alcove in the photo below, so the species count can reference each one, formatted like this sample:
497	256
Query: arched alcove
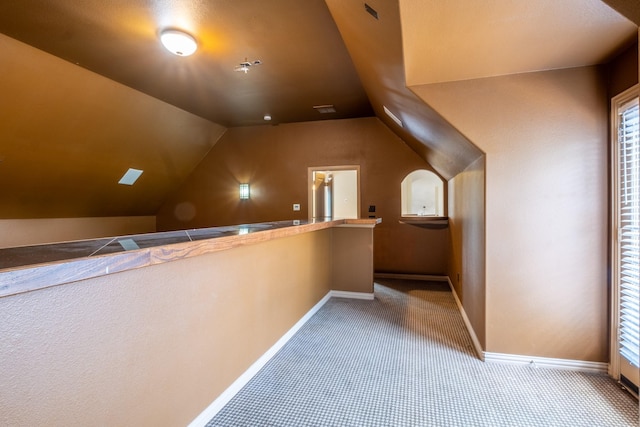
422	194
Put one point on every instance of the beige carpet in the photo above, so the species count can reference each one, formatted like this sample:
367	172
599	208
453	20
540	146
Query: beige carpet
405	359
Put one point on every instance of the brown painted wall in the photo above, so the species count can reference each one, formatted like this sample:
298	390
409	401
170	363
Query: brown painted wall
628	8
545	138
467	257
67	135
23	232
153	346
623	71
274	160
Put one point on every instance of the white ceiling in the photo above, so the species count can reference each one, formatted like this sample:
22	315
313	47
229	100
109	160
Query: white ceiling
461	39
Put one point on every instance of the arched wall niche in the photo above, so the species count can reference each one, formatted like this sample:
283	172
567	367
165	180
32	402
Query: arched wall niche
422	194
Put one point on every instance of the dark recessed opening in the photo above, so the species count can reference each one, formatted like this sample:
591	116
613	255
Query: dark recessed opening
371	11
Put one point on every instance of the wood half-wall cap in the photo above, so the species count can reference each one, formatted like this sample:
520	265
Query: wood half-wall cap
366	221
29	268
360	222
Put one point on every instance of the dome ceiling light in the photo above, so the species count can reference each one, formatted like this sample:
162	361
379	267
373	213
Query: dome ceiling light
178	42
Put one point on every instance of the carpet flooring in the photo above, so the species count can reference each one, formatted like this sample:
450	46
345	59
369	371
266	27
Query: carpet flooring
406	359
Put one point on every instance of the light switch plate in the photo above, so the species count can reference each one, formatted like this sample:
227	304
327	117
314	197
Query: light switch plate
296	206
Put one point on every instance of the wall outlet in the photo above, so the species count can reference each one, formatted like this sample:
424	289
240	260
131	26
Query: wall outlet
296	206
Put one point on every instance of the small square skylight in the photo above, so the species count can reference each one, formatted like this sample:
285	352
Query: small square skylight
130	177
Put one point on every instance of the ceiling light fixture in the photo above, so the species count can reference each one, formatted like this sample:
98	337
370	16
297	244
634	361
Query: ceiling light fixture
178	43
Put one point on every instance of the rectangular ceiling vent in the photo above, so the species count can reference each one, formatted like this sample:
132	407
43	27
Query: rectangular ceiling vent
371	11
393	116
325	109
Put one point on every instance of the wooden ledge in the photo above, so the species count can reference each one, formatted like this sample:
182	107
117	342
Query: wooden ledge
434	222
360	223
32	277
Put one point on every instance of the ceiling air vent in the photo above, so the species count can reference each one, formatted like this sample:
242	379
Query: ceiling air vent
393	116
325	109
371	11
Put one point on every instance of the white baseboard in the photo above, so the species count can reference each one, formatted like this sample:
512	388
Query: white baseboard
547	362
402	276
434	278
543	362
474	338
352	295
233	389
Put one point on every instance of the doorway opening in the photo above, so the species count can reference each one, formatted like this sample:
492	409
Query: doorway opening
334	192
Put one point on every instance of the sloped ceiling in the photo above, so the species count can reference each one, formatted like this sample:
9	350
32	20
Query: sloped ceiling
68	135
414	42
106	96
375	46
462	40
89	91
304	62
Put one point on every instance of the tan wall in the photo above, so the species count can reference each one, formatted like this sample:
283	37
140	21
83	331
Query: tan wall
274	161
153	346
467	256
23	232
352	258
545	138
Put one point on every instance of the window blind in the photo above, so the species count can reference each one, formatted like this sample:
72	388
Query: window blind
629	230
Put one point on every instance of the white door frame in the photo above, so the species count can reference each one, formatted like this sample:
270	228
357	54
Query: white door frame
312	169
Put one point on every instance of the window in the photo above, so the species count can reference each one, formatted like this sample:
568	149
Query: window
422	194
626	234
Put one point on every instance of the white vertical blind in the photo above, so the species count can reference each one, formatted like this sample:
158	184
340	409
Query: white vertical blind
629	230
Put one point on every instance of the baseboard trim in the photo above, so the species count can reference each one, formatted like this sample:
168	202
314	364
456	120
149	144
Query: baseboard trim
233	389
474	338
547	362
428	277
434	278
224	398
352	295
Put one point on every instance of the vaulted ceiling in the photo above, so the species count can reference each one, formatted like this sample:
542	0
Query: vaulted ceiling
304	62
312	52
